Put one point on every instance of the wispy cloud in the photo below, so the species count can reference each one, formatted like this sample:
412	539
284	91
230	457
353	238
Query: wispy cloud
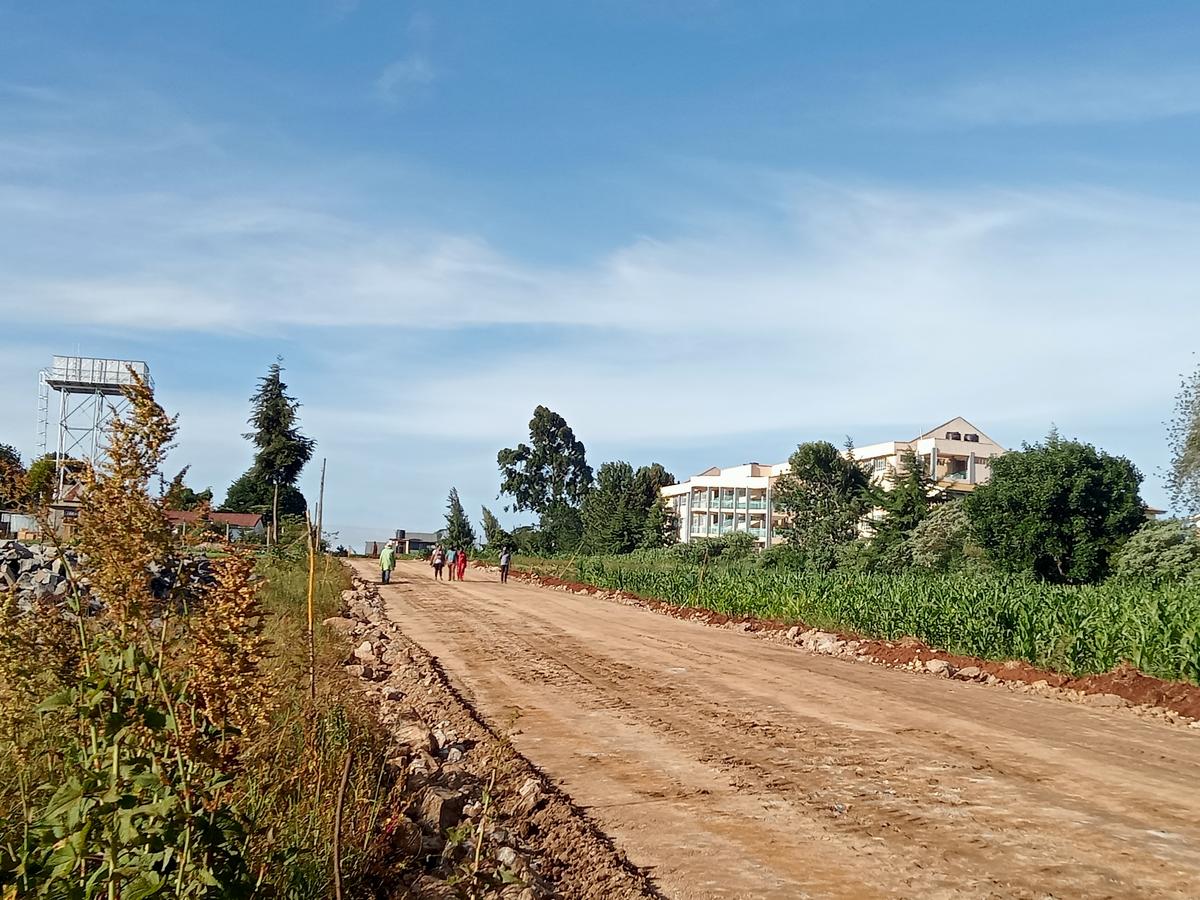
405	79
1057	97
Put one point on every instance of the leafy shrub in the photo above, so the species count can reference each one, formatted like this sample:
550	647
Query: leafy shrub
1169	549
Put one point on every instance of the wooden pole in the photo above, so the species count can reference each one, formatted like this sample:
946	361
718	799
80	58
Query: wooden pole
312	583
321	506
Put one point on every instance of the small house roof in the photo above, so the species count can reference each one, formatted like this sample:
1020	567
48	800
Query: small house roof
235	519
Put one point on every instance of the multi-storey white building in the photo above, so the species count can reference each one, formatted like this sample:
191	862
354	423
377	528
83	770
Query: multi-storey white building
716	502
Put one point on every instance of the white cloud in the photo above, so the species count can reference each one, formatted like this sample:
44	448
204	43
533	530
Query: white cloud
1054	97
404	79
842	302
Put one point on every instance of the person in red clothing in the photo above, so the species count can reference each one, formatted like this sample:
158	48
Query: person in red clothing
461	562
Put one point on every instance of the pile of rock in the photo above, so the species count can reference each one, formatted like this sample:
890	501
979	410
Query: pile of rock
40	573
35	572
445	762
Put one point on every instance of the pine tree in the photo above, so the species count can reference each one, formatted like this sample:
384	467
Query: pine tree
181	497
282	451
459	533
494	536
661	528
904	506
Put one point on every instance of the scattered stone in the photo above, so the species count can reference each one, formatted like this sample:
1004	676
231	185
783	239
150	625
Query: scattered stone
454	754
356	671
416	736
969	673
1106	700
938	667
440	808
392	694
532	795
507	857
365	653
793	632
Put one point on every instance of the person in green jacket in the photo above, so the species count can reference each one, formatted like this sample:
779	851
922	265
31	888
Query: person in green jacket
387	561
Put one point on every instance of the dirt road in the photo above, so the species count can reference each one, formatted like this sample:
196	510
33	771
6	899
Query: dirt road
735	767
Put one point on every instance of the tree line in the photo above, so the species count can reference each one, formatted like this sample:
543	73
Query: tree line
1059	510
615	509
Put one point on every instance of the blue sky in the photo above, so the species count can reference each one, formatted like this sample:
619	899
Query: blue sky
702	231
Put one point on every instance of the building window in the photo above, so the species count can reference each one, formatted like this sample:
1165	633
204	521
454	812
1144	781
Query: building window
878	465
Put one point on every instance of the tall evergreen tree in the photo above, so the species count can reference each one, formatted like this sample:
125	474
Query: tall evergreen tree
282	450
181	497
494	536
613	519
12	477
459	533
904	505
661	528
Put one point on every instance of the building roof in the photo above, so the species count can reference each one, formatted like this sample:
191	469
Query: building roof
235	519
958	423
426	537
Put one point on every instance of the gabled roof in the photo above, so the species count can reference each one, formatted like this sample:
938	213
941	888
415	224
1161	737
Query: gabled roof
958	423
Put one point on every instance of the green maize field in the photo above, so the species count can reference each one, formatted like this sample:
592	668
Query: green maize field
1076	629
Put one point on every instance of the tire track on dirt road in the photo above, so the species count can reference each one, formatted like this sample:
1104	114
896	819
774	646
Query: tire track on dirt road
736	767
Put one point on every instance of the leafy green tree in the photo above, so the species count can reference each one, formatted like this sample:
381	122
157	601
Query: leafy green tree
253	495
459	533
281	450
550	470
942	540
179	496
549	476
1057	509
1183	438
41	481
494	535
12	477
825	496
1166	550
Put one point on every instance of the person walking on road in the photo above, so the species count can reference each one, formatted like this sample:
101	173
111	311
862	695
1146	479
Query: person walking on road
451	563
437	559
461	561
505	562
387	562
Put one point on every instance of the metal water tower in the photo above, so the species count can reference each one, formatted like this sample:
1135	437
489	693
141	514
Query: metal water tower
77	399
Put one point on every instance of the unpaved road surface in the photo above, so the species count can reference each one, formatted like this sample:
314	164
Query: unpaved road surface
731	766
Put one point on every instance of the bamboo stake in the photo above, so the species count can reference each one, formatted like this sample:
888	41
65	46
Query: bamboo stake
337	826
